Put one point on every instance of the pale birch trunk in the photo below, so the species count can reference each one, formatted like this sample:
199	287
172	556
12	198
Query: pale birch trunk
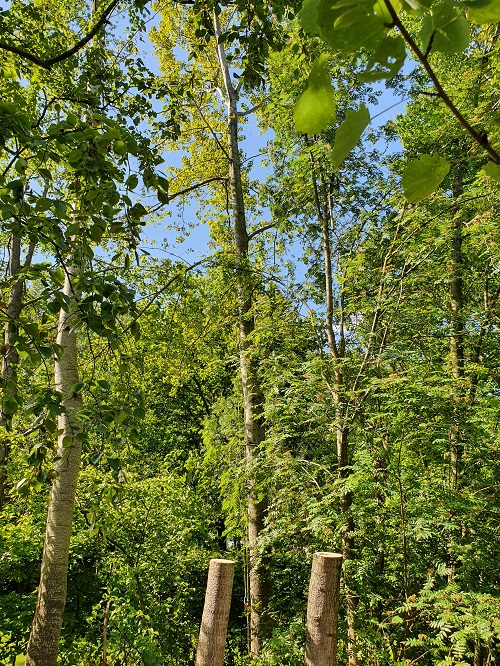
44	638
10	359
253	399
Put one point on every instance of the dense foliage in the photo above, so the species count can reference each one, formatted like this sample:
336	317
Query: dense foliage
365	306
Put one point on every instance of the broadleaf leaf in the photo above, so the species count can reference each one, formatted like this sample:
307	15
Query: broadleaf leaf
423	175
349	133
315	109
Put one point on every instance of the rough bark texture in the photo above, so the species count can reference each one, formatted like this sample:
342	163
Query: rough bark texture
10	359
253	398
46	629
322	610
213	628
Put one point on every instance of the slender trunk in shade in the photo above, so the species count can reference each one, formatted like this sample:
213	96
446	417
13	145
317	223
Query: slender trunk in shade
10	359
253	397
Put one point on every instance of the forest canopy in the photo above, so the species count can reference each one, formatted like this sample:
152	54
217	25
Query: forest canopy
321	375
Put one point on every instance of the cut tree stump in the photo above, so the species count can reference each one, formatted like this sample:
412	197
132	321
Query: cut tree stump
213	628
323	610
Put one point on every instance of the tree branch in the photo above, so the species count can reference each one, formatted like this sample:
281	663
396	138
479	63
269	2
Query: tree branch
261	230
478	137
242	114
48	62
187	190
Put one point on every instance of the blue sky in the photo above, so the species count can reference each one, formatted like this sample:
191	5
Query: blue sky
162	241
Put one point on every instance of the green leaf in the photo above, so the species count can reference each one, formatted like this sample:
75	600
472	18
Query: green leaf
60	208
483	11
96	232
43	204
120	417
103	383
348	25
163	183
139	413
315	109
72	119
349	133
10	405
492	170
445	30
32	330
387	60
135	329
138	210
45	173
380	9
20	166
423	175
119	148
162	197
132	182
308	17
114	463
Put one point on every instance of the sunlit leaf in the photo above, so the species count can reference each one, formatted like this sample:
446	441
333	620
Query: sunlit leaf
315	109
381	10
484	11
349	133
445	30
423	175
387	60
349	27
492	170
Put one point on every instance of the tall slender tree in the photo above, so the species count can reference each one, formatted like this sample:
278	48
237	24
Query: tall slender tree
10	357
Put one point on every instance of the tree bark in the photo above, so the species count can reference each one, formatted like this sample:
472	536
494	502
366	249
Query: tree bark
457	359
104	655
10	359
336	345
322	610
212	640
456	347
44	638
253	399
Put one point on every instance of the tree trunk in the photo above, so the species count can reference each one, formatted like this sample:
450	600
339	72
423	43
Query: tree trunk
212	640
10	358
253	399
347	541
336	344
457	358
456	348
104	655
323	610
46	629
